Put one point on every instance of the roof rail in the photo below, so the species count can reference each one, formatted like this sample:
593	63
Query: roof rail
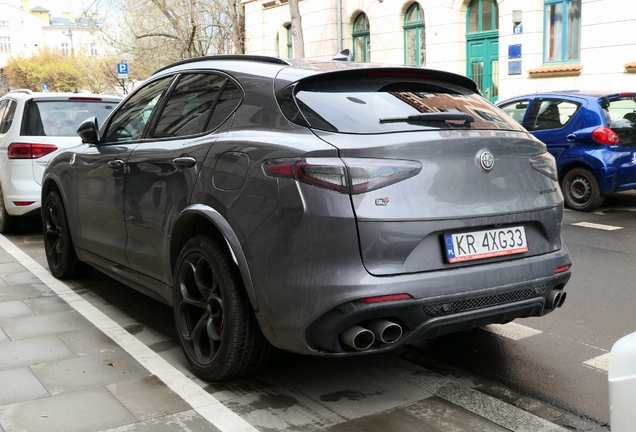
26	91
244	57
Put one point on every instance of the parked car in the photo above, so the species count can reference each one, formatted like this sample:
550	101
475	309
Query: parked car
33	126
324	208
622	384
592	135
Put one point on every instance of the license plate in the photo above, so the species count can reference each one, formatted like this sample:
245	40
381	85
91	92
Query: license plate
485	244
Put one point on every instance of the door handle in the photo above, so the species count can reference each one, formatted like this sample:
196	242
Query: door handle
570	137
116	164
184	162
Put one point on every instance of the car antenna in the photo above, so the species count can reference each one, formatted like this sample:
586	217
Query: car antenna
344	55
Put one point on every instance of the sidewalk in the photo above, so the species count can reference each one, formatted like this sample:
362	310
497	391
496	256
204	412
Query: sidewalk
94	355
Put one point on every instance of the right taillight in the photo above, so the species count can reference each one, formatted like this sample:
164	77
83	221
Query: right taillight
29	151
347	175
605	135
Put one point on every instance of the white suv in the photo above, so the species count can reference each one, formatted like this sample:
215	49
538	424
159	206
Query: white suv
33	126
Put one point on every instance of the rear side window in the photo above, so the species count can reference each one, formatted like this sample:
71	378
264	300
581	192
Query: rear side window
387	104
62	117
517	110
191	104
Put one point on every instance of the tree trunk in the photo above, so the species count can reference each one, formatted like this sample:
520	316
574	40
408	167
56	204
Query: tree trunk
297	30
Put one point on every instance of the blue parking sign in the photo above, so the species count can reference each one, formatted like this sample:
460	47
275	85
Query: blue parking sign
122	70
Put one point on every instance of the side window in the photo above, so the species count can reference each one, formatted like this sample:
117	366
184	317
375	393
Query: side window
229	100
129	121
517	110
551	114
8	116
190	105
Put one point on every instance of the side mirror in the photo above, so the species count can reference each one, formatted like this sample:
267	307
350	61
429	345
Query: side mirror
87	131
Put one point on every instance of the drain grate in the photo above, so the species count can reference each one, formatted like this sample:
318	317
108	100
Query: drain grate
481	302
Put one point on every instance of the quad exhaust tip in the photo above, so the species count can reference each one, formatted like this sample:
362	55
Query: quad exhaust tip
361	338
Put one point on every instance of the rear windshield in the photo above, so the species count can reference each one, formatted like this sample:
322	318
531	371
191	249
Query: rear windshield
371	105
621	117
61	118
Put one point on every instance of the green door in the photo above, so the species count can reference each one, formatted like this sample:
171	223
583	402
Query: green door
482	48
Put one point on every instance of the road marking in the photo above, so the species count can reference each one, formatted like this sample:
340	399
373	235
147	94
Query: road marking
512	331
206	405
600	363
597	226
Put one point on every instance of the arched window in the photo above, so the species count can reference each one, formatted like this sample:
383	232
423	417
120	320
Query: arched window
361	39
483	16
562	35
414	36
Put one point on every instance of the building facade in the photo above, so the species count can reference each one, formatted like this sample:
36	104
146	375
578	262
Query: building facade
24	30
508	47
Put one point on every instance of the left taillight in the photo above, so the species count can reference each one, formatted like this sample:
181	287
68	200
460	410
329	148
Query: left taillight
29	151
347	175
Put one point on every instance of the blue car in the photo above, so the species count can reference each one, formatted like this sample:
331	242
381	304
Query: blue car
592	135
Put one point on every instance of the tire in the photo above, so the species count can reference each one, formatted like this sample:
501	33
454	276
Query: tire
8	223
215	323
58	244
581	190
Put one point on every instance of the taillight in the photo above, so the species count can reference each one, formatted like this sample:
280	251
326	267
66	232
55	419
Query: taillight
605	135
349	175
545	164
29	151
561	269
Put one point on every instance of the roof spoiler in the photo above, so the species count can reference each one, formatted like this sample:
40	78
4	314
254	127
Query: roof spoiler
344	55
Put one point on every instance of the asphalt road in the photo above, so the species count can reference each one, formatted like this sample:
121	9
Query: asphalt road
561	358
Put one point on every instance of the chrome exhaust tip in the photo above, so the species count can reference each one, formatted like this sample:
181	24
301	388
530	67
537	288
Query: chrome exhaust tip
385	331
555	299
357	337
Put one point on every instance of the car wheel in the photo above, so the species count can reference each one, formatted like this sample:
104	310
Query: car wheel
7	222
581	190
58	244
215	322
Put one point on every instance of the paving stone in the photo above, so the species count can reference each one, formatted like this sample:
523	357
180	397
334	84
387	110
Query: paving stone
283	409
358	390
26	352
44	305
37	325
19	385
184	421
88	341
3	336
86	410
12	267
19	278
22	292
14	309
147	398
80	372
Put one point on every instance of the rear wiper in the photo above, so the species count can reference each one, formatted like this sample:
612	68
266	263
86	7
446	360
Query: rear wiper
432	117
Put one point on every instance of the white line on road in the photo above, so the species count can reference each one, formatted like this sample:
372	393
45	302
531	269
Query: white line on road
597	226
600	363
512	331
201	401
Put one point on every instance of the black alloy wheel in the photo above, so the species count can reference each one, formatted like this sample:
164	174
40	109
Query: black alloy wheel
7	222
58	244
215	323
581	190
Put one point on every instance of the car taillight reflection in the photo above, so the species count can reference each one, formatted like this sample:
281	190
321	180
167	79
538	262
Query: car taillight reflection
605	135
29	151
347	175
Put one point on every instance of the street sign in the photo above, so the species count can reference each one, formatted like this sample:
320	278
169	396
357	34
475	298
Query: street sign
122	70
45	87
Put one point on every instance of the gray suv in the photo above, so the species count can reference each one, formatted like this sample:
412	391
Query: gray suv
324	208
